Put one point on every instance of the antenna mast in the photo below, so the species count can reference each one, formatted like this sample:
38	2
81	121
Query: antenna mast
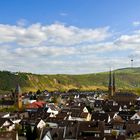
132	62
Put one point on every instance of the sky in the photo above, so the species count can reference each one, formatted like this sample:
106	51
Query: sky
69	36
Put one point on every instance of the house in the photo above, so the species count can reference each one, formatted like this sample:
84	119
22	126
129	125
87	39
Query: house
110	108
47	136
79	113
53	134
100	116
6	124
136	116
39	113
4	114
90	130
62	116
52	109
23	114
70	131
132	128
124	98
7	103
73	130
118	125
85	116
40	124
111	137
98	104
9	135
14	118
36	105
126	115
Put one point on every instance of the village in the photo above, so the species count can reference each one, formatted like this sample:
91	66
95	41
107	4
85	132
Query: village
73	115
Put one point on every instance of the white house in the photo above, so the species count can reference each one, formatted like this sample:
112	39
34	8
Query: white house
136	116
6	123
41	124
52	110
85	110
47	136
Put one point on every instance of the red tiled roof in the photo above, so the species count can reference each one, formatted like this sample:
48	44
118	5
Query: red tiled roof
38	104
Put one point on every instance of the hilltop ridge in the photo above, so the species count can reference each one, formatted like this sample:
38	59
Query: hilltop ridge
126	78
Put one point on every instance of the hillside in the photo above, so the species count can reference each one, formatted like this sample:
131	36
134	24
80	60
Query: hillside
126	78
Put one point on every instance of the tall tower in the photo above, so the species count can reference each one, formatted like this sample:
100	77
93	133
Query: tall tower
18	95
114	84
110	86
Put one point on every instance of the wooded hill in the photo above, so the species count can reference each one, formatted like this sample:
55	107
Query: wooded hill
126	78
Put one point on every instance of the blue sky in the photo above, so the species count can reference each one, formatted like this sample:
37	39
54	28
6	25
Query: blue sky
68	36
82	13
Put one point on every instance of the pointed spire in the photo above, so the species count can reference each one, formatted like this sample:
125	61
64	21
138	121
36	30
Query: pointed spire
110	79
110	86
18	89
18	97
114	84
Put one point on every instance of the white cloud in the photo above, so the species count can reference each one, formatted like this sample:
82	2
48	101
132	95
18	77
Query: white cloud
58	48
63	14
136	23
22	22
44	51
55	34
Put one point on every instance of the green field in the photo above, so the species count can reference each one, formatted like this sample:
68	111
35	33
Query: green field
127	78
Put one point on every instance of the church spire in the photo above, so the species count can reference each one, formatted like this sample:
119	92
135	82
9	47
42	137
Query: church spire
114	84
110	79
18	89
110	86
18	96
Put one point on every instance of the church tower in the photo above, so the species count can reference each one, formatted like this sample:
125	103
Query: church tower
110	86
18	95
114	84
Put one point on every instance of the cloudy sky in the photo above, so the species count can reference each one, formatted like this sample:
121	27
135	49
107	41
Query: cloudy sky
69	36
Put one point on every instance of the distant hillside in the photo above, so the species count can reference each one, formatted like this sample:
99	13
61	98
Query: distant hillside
126	78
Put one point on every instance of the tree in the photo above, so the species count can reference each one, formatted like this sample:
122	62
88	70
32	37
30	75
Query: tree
18	128
30	92
3	100
132	108
29	134
35	133
38	92
13	94
136	136
54	99
89	109
114	133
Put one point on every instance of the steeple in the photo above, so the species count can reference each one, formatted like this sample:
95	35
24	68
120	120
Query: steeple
110	86
18	97
18	89
114	84
110	79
